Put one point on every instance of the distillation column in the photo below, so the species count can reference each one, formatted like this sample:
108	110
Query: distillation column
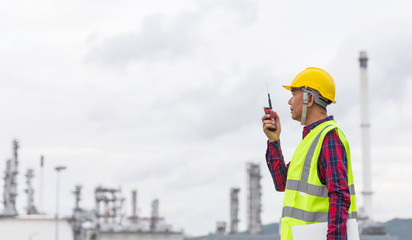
31	209
234	210
10	183
254	199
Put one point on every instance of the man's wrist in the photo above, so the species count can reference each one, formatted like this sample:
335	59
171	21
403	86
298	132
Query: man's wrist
274	144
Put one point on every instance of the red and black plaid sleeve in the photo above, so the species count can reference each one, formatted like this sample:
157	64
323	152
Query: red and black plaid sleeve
276	165
332	170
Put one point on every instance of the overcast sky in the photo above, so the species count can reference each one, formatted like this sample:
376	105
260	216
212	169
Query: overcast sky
166	97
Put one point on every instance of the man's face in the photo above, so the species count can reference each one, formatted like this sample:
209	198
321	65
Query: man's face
296	103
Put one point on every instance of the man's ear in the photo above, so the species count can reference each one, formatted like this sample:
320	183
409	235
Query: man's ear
311	99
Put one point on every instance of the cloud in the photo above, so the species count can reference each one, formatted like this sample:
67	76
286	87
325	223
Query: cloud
169	38
218	108
389	74
155	40
246	10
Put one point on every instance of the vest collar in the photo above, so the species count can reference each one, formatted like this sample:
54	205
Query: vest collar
310	127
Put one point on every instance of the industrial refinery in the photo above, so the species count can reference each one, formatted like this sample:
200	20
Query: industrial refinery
108	221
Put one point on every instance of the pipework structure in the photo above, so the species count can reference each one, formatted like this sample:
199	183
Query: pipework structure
234	210
112	202
254	206
365	133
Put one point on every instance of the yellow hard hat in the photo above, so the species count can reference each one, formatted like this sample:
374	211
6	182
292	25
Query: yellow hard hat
317	79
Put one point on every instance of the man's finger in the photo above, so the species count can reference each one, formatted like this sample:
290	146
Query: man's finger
266	116
269	126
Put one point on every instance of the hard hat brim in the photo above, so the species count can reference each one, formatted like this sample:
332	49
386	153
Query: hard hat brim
287	87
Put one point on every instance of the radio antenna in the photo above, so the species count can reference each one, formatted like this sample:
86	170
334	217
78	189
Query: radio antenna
269	100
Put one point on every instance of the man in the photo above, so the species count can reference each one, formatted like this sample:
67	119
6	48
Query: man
318	181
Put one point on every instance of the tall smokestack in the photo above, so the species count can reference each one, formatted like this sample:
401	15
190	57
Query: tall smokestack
365	126
234	209
134	203
155	215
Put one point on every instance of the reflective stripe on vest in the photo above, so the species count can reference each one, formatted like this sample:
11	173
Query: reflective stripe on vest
310	216
319	191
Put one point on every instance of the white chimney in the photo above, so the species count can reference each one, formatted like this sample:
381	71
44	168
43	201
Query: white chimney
365	126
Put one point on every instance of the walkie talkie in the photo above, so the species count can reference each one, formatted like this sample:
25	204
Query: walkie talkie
268	110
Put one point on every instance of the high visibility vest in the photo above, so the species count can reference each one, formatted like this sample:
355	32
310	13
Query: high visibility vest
306	198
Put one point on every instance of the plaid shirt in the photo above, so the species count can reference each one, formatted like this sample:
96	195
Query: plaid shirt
332	171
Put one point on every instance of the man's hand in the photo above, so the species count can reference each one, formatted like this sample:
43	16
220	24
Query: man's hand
269	129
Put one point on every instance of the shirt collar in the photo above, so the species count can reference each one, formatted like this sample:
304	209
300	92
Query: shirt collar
310	127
